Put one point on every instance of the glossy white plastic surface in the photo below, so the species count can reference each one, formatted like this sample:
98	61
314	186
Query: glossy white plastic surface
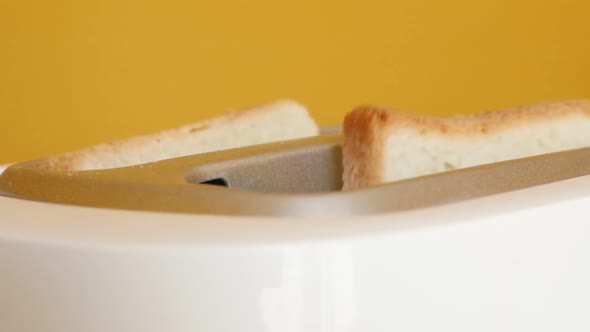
513	262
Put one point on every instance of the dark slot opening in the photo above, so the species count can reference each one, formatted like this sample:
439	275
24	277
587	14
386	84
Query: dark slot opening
217	182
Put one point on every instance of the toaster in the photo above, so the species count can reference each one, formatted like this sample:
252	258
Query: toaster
262	238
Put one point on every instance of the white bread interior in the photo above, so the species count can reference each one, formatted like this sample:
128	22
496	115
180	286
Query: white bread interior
275	121
385	145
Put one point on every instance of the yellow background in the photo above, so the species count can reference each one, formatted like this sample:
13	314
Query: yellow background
76	72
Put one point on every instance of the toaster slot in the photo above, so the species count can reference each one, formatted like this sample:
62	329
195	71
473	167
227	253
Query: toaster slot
298	178
303	169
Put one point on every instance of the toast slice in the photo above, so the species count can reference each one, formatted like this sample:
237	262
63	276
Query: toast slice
274	121
384	145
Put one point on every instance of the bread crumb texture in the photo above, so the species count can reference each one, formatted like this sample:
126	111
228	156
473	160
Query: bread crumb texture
383	144
275	121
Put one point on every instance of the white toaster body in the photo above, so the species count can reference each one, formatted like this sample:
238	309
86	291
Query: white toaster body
518	261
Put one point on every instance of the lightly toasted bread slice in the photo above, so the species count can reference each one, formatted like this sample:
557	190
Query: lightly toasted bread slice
275	121
383	145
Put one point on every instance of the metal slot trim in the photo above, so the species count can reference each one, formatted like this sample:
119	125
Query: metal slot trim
300	178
